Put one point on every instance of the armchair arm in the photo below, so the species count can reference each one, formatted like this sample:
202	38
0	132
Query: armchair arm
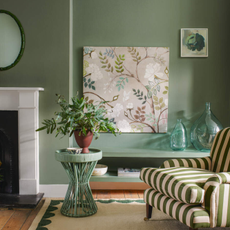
217	197
203	163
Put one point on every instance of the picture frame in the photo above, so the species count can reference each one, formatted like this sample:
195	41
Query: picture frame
133	82
194	42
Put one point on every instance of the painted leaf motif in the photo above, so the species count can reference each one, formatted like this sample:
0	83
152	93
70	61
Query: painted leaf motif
155	98
157	108
158	88
161	100
136	117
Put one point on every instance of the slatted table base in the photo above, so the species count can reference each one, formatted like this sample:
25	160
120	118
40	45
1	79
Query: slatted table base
79	200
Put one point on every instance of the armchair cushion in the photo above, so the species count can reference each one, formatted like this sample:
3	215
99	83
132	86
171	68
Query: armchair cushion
193	216
179	183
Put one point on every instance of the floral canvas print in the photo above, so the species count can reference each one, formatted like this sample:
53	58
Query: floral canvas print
133	82
194	42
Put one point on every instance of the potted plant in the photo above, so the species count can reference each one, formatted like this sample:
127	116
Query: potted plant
81	118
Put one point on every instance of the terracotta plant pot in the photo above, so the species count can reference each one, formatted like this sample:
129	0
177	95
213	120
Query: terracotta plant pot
83	141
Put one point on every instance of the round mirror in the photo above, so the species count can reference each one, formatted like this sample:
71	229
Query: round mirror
12	40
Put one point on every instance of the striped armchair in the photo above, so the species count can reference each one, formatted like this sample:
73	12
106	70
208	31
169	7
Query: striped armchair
194	191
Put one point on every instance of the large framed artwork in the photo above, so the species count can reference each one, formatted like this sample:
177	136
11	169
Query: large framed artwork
133	81
194	42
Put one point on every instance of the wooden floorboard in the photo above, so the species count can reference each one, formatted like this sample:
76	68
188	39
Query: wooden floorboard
5	215
103	194
17	220
117	194
21	219
32	215
131	195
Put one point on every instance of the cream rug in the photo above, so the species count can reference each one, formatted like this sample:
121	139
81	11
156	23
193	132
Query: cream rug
111	216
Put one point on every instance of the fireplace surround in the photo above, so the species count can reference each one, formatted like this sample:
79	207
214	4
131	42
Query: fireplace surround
26	102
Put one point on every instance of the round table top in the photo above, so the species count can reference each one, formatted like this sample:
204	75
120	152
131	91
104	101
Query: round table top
63	155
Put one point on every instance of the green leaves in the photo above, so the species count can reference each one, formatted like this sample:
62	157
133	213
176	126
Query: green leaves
121	83
166	91
134	53
81	114
159	103
105	63
89	83
140	95
119	63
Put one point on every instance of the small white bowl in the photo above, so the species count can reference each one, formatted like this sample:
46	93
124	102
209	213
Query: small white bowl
100	170
74	150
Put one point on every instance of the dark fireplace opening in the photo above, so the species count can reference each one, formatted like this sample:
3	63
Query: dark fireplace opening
9	182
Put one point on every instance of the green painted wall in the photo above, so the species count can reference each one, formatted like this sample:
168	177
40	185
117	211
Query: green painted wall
45	62
193	81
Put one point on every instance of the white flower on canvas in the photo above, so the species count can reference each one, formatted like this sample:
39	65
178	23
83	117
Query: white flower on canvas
126	95
117	110
166	101
152	70
129	106
124	126
94	55
95	72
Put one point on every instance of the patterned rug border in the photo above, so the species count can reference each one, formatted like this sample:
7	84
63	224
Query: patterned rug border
49	206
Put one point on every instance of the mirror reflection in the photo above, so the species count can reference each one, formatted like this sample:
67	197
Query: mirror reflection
11	40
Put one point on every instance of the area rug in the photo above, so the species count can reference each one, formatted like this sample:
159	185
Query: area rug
111	215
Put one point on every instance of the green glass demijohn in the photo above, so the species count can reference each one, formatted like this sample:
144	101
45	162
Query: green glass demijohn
178	138
204	130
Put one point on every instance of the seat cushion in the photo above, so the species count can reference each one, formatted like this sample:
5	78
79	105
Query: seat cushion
180	183
193	216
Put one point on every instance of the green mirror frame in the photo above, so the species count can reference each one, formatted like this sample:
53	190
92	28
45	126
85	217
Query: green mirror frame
22	40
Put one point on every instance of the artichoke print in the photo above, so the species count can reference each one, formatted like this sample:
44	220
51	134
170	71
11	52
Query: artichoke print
133	83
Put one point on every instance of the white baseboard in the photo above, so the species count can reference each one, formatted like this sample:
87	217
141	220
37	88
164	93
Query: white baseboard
59	190
53	190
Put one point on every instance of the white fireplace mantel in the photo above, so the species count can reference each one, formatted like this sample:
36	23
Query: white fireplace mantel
26	102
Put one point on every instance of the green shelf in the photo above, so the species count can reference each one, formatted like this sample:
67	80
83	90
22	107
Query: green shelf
152	153
133	153
112	177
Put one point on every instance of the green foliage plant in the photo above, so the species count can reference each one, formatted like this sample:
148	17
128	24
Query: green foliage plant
80	115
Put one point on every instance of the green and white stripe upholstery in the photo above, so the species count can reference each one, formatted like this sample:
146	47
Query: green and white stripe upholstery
217	199
203	163
180	183
194	191
193	216
220	152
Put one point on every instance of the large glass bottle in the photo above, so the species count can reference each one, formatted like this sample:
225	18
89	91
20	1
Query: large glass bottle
204	130
178	138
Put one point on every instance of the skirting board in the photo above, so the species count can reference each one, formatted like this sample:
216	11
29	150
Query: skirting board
59	190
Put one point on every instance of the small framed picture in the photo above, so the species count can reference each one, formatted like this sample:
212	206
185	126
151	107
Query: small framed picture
194	42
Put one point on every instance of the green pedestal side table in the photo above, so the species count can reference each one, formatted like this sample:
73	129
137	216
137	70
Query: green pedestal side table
78	201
